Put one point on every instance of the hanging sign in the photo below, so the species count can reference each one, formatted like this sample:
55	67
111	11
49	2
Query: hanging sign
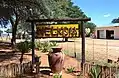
57	31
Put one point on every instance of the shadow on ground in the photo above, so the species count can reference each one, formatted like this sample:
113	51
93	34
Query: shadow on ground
41	74
60	41
6	55
5	45
45	72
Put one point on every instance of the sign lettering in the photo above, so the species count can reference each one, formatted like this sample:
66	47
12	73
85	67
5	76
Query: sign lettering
57	31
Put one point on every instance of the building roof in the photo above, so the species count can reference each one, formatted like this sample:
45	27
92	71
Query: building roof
108	26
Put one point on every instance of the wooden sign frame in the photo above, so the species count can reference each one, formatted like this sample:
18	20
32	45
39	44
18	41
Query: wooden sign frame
81	20
58	31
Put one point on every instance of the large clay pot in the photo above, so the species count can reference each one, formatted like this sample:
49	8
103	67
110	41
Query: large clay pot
56	60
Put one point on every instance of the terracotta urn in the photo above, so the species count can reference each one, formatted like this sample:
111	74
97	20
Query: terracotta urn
56	60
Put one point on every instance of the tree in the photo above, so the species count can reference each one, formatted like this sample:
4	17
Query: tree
1	32
91	26
64	9
3	22
74	11
8	31
20	10
116	20
23	47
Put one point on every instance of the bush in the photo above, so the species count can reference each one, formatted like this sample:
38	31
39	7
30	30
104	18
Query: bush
95	72
57	76
23	47
70	69
37	44
45	46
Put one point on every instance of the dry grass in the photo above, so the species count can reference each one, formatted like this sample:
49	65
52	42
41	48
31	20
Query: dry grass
96	49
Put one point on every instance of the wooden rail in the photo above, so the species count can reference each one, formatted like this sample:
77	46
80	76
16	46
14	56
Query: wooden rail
106	72
13	70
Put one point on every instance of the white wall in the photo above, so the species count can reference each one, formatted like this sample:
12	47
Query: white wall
116	31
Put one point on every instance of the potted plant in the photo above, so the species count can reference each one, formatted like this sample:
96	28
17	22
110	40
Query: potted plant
44	46
23	47
37	45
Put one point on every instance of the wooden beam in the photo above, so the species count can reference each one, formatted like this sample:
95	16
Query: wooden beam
58	20
83	44
33	42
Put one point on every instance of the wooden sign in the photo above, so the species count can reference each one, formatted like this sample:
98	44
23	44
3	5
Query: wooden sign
57	31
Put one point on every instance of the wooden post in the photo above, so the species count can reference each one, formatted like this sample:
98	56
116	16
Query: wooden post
93	52
83	44
33	39
107	50
110	72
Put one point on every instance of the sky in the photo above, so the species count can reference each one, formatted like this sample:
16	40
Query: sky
101	11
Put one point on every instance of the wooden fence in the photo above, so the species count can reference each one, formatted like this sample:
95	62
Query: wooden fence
13	70
106	72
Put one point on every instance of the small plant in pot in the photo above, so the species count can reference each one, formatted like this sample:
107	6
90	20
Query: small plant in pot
23	47
45	46
37	45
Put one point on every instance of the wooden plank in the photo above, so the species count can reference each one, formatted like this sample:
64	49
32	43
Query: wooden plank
83	44
58	20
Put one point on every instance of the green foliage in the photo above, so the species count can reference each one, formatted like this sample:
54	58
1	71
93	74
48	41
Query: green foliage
57	76
45	46
70	69
66	52
63	9
117	75
1	31
116	20
8	31
24	47
37	44
95	72
91	26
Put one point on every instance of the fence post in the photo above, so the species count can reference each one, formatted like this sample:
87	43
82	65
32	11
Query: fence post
93	51
74	48
110	72
107	49
37	67
84	70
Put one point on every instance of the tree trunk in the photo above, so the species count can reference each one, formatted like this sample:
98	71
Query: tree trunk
21	58
13	40
14	29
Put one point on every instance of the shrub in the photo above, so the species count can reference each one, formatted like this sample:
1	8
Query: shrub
57	76
70	69
23	47
95	72
37	44
45	46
